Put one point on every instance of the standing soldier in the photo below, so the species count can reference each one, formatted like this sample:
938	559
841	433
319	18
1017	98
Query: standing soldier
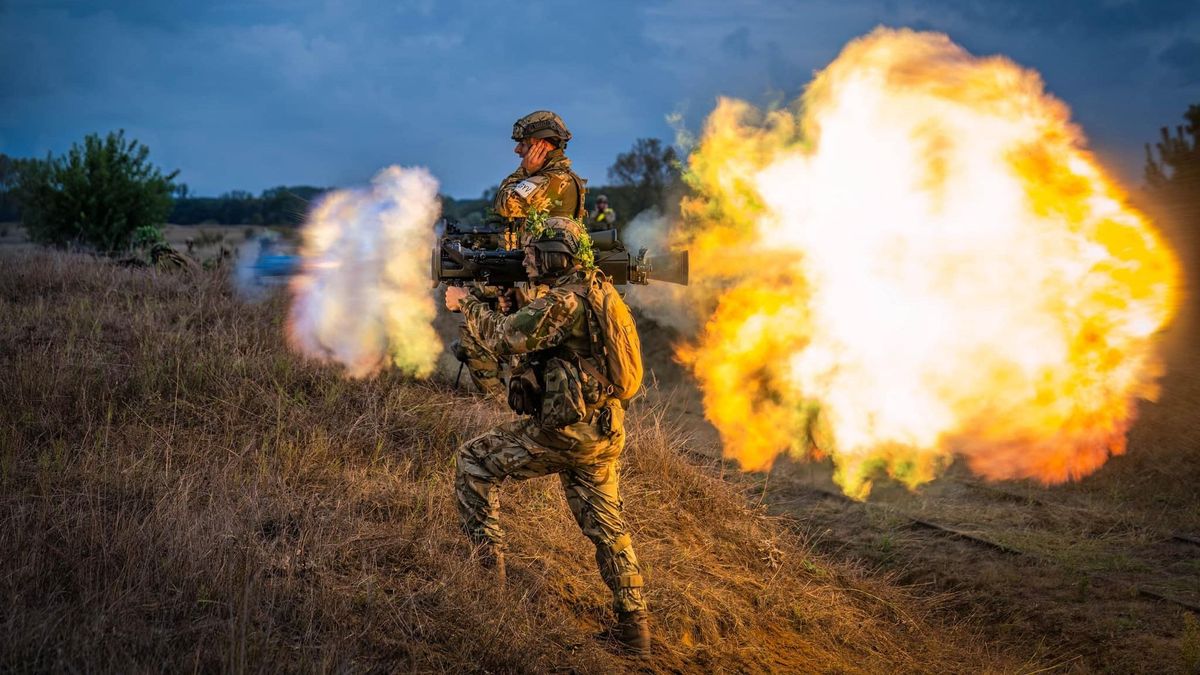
573	424
603	217
543	187
544	182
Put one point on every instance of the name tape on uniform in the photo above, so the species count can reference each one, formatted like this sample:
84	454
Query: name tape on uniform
525	188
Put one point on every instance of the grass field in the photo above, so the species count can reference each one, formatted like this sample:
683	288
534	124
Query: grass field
179	492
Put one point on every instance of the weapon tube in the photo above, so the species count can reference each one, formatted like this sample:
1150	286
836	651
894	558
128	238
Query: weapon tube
477	253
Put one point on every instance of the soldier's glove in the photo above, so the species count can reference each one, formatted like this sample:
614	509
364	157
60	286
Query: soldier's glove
525	393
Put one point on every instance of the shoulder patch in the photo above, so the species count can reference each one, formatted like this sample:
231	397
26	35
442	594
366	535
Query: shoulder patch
527	186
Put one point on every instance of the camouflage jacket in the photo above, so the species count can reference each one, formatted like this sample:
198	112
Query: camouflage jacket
555	189
552	333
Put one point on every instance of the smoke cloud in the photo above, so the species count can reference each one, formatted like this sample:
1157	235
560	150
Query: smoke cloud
246	279
662	302
362	297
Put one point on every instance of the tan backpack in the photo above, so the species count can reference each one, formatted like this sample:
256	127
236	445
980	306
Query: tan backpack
615	339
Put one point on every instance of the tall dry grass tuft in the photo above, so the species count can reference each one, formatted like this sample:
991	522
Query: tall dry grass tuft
179	492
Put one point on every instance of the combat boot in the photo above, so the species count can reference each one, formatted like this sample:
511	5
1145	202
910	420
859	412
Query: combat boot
493	558
633	632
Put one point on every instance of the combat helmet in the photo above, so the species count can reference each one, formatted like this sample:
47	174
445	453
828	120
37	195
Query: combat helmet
559	235
562	236
541	124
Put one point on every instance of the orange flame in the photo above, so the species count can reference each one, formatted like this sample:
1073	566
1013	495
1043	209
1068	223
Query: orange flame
921	259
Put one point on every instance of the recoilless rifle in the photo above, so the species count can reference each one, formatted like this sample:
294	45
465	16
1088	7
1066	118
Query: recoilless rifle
491	254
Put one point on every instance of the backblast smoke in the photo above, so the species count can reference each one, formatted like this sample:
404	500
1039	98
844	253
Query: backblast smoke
362	296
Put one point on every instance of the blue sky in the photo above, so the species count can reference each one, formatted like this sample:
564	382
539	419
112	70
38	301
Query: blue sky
253	94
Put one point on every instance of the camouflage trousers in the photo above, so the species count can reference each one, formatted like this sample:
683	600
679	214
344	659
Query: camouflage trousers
586	463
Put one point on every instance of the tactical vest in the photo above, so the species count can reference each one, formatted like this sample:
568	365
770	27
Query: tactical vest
571	208
570	383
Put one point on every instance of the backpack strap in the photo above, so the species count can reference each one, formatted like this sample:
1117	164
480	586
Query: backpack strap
587	365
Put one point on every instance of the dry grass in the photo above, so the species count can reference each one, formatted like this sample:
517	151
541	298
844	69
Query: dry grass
179	492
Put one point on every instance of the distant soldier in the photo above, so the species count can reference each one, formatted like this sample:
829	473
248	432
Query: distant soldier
543	187
602	217
573	425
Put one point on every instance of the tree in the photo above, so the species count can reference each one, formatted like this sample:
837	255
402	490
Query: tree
1173	188
1177	168
97	195
283	205
650	168
10	171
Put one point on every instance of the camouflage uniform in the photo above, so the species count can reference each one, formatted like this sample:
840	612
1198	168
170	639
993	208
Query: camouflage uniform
602	220
579	434
554	190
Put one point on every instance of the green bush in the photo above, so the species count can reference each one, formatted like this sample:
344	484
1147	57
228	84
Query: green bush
147	236
97	195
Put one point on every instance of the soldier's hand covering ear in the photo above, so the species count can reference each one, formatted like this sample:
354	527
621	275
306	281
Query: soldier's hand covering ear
535	156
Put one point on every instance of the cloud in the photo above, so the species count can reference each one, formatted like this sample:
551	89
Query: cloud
246	95
255	93
1183	57
1089	17
737	43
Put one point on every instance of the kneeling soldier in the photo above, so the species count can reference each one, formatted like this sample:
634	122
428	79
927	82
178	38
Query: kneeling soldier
573	426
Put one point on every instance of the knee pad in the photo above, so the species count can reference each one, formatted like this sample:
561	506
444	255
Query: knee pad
630	581
620	544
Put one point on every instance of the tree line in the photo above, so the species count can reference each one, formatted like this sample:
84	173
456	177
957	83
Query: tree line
105	194
1172	196
283	205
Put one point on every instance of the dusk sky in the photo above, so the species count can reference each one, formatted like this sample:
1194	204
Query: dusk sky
253	94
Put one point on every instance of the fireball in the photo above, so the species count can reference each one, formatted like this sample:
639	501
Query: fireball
919	260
